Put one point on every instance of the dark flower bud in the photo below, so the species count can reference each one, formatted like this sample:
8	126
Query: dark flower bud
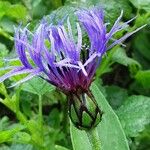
83	110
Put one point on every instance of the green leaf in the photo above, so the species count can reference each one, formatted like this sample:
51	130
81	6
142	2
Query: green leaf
11	103
21	147
4	147
5	34
141	44
143	77
3	89
121	57
34	129
134	114
78	138
109	129
115	11
7	135
141	20
108	6
4	6
37	86
4	123
17	11
7	24
58	147
141	4
3	50
22	137
35	10
116	95
36	2
117	54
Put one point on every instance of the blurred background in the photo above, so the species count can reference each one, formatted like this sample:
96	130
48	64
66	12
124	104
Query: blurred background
123	76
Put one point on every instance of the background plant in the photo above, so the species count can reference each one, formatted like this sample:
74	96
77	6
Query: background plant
123	77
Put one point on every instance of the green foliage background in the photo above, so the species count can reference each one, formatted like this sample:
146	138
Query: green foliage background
123	78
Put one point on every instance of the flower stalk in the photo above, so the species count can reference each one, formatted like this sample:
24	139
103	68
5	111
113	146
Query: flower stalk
41	118
94	139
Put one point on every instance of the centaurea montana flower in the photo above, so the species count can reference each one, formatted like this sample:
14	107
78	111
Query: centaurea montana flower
68	63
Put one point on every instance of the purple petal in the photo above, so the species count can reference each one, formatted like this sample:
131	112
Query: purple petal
17	71
125	37
79	43
35	73
20	47
115	25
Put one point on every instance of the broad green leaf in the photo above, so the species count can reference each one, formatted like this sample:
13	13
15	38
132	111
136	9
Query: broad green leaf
36	2
3	50
10	103
5	34
143	77
26	98
39	14
17	11
117	54
115	11
21	147
4	6
142	19
22	137
141	59
134	114
7	25
4	123
121	57
3	89
45	6
141	4
115	95
141	44
34	129
108	6
4	147
7	135
58	147
55	4
109	129
137	88
79	139
37	86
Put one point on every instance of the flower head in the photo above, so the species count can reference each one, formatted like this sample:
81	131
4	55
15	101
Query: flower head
67	63
54	54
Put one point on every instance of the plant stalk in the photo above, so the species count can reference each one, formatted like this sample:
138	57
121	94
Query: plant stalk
40	111
94	139
41	118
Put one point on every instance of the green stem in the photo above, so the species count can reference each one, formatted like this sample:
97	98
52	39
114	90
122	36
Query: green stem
94	139
21	117
41	117
40	112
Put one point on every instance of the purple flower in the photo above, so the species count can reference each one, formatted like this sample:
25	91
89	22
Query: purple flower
54	54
